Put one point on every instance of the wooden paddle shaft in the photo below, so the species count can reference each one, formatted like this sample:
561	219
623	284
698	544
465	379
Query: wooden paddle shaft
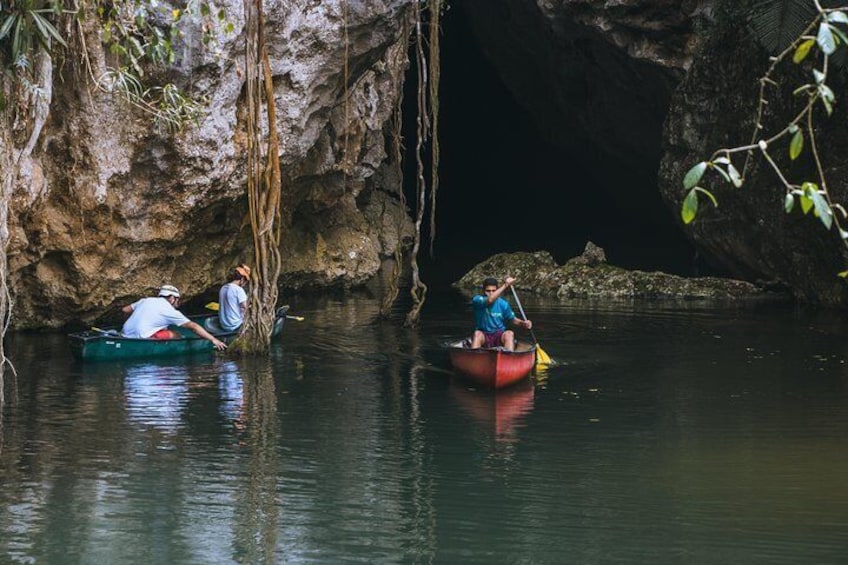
523	315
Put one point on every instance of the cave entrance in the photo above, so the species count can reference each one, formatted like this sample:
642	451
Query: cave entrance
505	187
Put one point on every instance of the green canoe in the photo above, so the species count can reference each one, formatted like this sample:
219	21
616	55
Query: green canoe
108	344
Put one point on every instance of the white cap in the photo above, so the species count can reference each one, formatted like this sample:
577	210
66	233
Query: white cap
168	290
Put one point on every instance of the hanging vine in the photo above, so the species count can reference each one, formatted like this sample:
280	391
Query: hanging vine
264	187
427	69
435	73
418	290
392	289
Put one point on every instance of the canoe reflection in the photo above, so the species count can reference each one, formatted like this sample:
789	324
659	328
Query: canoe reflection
501	411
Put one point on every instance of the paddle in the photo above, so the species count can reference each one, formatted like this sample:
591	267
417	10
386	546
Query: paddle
542	358
214	306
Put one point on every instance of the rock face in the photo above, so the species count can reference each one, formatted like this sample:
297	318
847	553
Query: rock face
587	277
750	233
111	207
597	77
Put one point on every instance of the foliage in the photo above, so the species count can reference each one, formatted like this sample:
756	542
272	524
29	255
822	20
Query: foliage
135	33
776	23
822	36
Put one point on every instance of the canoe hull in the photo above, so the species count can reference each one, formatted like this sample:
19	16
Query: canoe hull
493	368
101	345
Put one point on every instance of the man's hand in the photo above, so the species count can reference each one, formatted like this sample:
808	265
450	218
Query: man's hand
219	345
508	281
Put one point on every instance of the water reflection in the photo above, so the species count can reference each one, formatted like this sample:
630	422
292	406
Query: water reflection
689	435
156	395
257	501
231	393
496	412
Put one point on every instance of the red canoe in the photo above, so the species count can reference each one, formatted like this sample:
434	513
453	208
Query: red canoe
494	368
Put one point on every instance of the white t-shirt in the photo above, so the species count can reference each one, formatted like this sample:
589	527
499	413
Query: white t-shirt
230	298
151	315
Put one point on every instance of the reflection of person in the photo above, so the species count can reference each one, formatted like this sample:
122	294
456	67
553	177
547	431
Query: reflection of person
232	299
150	318
491	314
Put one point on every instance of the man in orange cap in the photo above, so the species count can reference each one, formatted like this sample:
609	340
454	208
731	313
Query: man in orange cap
232	299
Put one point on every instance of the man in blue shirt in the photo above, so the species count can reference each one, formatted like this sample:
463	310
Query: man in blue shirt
491	314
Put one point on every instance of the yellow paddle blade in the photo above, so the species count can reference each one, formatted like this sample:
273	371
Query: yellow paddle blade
542	358
213	306
297	318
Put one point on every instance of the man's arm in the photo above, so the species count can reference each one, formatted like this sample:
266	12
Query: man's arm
497	294
198	329
526	324
128	309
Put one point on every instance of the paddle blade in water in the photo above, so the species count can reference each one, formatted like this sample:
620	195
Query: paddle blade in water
212	306
542	358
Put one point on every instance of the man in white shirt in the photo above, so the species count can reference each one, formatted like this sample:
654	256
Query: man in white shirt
150	318
232	299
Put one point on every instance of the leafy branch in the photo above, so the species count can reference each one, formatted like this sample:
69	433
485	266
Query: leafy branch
824	35
136	33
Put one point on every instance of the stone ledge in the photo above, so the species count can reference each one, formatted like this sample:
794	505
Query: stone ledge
537	272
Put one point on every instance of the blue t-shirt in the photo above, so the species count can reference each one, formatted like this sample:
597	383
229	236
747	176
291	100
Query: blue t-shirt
491	317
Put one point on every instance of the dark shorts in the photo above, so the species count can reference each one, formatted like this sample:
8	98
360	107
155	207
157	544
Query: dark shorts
492	339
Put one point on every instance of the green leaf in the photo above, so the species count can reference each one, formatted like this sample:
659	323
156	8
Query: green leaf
838	17
777	23
724	175
694	175
819	76
803	50
47	29
7	24
843	274
690	207
843	234
806	204
735	177
825	39
796	145
823	211
708	194
828	106
840	35
826	92
788	202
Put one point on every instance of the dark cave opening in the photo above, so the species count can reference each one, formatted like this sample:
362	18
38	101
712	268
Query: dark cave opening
504	187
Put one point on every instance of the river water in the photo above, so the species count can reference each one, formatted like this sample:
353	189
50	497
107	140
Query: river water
668	433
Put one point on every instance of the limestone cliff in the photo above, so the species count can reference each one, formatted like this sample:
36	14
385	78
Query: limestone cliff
110	207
